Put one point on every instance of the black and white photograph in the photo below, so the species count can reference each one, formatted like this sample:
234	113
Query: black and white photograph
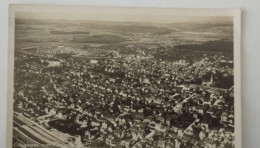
122	77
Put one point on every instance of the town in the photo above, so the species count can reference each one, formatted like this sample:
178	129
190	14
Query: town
123	98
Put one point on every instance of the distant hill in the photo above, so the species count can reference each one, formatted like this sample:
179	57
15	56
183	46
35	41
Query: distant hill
226	28
104	39
135	28
218	45
192	52
70	32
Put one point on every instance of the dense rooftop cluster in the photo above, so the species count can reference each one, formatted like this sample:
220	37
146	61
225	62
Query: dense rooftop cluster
129	101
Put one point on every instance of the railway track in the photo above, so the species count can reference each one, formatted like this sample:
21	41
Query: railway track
28	132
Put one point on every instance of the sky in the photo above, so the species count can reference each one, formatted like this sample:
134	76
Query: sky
122	14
